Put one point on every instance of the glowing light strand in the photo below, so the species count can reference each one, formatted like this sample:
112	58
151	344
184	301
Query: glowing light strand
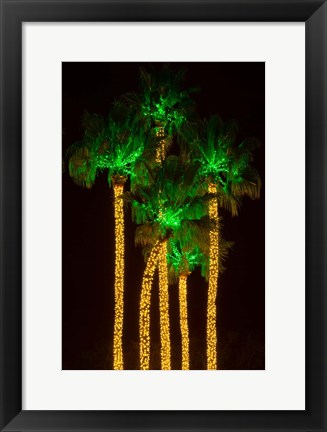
160	151
164	308
183	321
213	285
119	277
163	279
147	283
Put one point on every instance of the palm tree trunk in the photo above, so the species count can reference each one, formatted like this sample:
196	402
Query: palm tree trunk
118	187
160	151
163	278
213	284
183	320
164	308
145	306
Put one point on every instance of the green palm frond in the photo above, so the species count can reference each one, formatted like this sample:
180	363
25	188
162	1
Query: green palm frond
162	102
81	166
121	144
146	234
170	205
93	125
190	248
114	145
212	143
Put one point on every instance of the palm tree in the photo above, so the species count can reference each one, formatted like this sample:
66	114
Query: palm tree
162	106
113	146
227	170
166	208
182	261
185	253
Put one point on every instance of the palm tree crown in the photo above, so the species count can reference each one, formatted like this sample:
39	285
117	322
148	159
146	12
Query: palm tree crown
224	163
114	145
184	256
120	145
162	102
173	204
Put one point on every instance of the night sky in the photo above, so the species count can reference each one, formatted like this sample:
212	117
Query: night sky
232	90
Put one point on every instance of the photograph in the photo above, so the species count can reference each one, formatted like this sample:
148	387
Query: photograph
163	216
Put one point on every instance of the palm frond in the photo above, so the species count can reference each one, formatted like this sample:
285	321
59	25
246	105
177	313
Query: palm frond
81	165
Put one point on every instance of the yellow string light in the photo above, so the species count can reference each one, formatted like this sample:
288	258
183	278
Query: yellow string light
164	308
213	285
163	278
119	277
160	151
147	282
183	321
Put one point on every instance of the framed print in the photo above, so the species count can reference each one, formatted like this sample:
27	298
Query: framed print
177	136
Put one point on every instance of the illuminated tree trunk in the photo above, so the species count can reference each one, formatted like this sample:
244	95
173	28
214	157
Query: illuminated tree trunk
147	283
164	308
118	186
160	151
213	285
163	278
183	320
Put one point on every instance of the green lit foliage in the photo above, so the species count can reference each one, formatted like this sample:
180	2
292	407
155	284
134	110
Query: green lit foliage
172	204
243	179
182	260
214	150
186	252
120	145
141	172
162	102
224	163
114	145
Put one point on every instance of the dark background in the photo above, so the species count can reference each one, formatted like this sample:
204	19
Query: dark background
234	91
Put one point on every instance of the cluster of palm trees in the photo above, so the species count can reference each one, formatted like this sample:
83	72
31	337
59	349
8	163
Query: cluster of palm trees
174	199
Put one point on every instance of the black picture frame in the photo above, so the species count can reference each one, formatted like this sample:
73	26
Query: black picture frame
13	14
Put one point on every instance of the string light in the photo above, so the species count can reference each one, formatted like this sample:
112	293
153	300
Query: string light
163	277
119	276
183	320
164	308
160	151
147	282
213	284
